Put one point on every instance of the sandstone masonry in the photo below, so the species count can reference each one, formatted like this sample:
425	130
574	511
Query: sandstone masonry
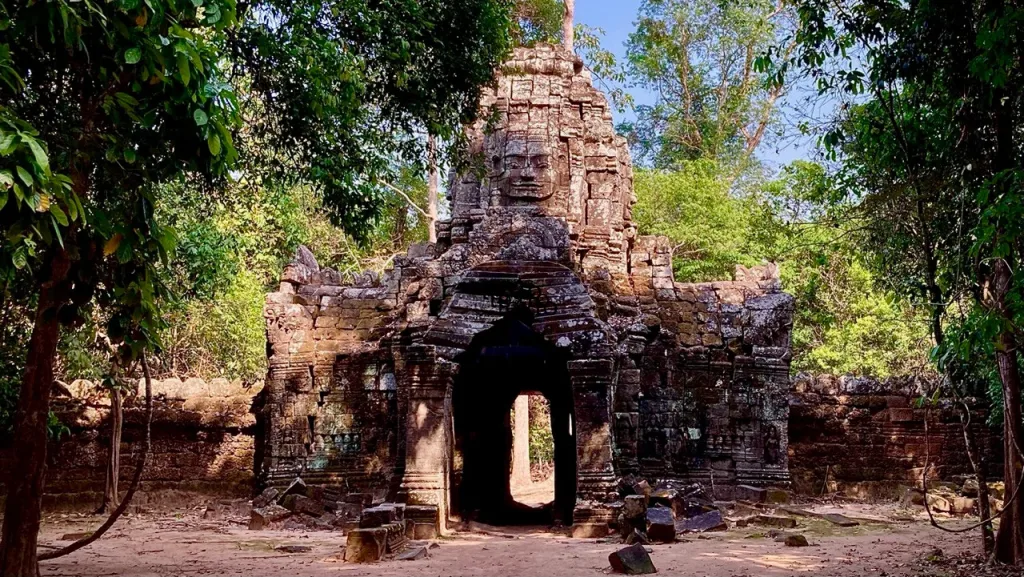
538	283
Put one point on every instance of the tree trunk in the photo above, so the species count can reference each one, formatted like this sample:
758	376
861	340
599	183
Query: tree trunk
979	461
568	36
1009	538
432	189
110	493
25	485
521	442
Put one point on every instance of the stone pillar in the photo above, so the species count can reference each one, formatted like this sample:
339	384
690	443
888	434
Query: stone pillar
427	381
521	442
591	386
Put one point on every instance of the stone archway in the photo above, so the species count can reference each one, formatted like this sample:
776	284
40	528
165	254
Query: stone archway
560	324
504	361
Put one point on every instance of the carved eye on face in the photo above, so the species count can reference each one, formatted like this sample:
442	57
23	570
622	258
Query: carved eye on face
496	162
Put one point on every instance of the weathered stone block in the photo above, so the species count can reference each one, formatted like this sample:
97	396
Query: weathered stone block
632	560
661	524
366	545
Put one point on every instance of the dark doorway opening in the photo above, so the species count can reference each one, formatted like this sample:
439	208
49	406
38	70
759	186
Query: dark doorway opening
503	362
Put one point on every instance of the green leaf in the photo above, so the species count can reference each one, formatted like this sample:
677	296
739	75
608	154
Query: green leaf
200	117
132	55
129	155
19	258
58	214
38	153
25	176
6	179
7	143
3	199
184	69
214	143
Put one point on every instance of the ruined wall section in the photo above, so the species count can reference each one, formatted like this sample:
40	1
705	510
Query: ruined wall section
203	443
866	437
705	393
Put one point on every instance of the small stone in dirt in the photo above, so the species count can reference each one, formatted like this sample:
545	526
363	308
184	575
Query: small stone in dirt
293	548
636	536
796	541
632	560
710	521
412	554
661	525
841	520
935	554
261	518
774	521
75	536
435	545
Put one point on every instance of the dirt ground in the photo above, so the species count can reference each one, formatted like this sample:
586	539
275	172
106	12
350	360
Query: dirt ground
214	541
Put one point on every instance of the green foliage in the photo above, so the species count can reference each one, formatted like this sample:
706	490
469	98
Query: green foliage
339	93
698	57
542	441
709	229
537	21
845	321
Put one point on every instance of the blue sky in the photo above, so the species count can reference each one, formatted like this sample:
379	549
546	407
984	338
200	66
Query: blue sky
616	18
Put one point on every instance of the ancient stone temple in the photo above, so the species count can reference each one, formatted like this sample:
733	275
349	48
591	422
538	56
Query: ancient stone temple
402	385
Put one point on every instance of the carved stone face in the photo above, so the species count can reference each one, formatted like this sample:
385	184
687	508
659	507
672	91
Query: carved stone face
529	168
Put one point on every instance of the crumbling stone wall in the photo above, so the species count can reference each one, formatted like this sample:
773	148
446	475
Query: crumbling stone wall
203	442
868	437
668	380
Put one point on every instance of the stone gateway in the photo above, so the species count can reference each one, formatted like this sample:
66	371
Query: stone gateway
401	386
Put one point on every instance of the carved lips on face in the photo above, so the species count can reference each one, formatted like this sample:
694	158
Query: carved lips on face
531	174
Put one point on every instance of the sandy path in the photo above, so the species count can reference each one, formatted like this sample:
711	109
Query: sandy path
151	545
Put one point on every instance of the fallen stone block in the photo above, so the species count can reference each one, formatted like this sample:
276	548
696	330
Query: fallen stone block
774	521
632	560
302	504
422	521
661	526
263	517
634	507
841	520
710	521
796	541
366	545
296	487
268	496
377	516
413	554
636	536
642	488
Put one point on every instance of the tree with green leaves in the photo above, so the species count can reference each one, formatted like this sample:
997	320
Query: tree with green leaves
101	103
698	58
927	127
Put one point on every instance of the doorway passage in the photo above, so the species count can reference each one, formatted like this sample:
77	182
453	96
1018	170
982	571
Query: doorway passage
503	363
